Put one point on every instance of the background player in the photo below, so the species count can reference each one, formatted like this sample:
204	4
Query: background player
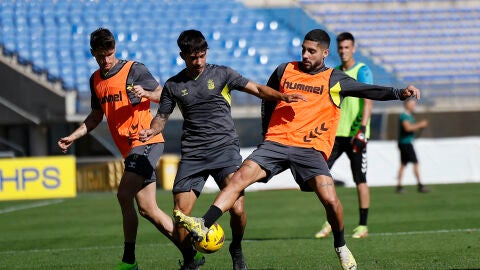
121	90
300	137
406	135
210	143
353	132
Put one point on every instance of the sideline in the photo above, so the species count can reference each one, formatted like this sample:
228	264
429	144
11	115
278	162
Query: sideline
29	206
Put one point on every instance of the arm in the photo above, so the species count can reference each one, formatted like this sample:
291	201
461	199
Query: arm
156	127
267	93
157	124
91	122
142	84
350	87
154	95
409	127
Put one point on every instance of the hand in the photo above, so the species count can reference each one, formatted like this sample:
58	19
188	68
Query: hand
146	134
411	91
64	144
359	142
139	92
423	123
294	98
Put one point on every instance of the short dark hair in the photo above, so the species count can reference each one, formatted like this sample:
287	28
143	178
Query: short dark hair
192	41
102	40
345	36
319	36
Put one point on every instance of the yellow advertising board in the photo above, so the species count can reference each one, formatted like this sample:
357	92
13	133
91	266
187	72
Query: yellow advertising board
37	178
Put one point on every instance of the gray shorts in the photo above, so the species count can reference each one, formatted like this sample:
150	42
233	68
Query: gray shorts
143	160
304	163
219	163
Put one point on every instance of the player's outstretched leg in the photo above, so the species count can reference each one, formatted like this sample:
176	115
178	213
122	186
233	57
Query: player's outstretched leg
196	226
325	190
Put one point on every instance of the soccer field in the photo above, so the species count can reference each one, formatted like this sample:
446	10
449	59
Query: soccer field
439	230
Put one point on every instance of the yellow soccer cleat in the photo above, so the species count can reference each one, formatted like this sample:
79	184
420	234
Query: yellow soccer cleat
194	225
360	232
347	261
325	231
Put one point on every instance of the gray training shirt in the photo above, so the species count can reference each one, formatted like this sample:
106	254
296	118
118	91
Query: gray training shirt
205	106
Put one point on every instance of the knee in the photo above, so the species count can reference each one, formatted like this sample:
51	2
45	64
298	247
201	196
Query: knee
331	200
124	196
238	208
146	211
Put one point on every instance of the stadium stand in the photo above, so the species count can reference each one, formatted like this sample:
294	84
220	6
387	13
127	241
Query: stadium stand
433	44
52	36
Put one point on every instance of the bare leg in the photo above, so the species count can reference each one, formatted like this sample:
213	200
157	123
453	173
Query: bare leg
249	173
184	201
325	190
363	195
238	222
238	217
148	208
417	173
129	185
400	174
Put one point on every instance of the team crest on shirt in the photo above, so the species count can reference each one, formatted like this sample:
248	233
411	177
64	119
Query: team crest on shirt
184	92
210	84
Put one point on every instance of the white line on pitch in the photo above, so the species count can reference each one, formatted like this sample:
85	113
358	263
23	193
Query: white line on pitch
246	240
29	206
424	232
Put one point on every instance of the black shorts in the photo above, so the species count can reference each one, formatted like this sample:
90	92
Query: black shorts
358	161
219	163
407	153
304	163
143	160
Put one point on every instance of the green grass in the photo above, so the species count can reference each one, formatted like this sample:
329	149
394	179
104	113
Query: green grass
409	231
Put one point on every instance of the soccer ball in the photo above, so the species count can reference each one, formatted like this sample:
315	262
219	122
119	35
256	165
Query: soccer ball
213	241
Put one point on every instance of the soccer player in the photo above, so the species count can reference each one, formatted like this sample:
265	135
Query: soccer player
406	135
300	137
122	90
209	144
353	132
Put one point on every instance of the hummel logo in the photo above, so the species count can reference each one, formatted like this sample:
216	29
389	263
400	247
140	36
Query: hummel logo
315	133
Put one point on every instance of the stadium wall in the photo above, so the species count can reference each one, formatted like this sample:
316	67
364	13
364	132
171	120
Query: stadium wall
442	161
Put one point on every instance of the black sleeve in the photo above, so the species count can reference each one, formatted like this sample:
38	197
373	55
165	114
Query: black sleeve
269	105
349	87
94	103
167	101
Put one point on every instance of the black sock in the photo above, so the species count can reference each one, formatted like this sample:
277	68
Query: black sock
363	216
188	254
236	241
129	253
212	215
338	239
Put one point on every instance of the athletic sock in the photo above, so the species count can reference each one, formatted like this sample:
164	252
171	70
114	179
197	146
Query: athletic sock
363	216
129	253
338	238
188	254
236	241
212	215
